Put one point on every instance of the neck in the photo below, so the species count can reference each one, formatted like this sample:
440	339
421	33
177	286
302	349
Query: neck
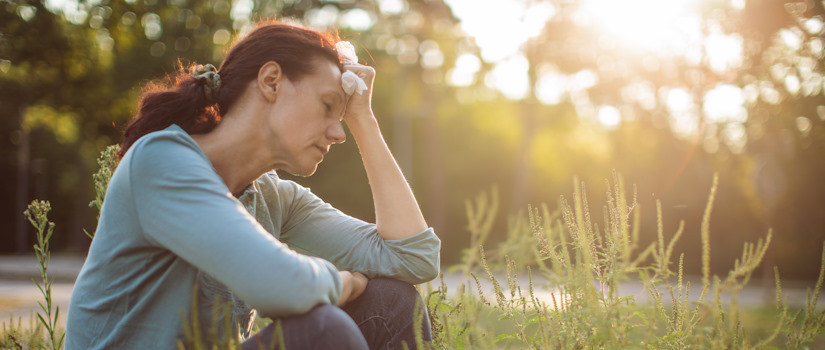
232	148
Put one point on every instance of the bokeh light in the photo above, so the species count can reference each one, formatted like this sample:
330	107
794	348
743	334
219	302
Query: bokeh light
652	25
666	91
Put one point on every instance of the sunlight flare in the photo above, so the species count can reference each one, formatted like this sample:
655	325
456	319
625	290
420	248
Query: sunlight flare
642	24
609	117
725	103
510	78
463	74
501	27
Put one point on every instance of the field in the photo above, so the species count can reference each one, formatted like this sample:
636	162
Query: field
558	281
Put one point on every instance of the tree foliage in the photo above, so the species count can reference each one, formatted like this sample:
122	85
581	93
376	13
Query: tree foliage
70	77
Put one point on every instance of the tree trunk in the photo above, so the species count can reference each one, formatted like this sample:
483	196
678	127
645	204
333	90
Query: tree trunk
522	180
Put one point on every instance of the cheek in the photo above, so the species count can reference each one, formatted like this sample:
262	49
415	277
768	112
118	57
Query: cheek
287	120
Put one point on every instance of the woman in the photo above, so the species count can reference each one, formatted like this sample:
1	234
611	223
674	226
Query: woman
195	204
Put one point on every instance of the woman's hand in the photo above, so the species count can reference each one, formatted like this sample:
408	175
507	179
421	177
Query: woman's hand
354	284
360	106
397	215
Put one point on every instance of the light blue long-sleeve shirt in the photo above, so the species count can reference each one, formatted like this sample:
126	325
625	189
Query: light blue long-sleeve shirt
168	218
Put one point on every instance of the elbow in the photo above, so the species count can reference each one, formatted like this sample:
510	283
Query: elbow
430	273
417	259
435	270
423	276
428	270
432	268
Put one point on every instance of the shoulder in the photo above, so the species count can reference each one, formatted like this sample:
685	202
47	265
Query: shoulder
165	150
169	139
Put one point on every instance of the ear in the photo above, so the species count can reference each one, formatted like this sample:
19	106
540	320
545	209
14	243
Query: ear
269	77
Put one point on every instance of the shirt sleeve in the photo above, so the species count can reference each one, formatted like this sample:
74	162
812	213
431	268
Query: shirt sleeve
183	206
313	226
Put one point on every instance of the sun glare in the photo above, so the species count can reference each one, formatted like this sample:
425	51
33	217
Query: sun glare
725	103
465	69
724	52
638	28
642	27
641	24
510	77
609	117
501	27
682	111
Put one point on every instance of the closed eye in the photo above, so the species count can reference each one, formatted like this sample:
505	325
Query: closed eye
334	103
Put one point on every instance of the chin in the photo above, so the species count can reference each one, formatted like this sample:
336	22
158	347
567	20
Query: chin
305	172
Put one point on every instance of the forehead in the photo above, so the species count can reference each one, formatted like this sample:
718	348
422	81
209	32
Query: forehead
325	78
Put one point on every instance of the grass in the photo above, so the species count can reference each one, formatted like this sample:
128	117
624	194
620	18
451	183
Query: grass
16	335
587	262
582	258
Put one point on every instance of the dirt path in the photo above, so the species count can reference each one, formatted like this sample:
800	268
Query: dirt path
18	300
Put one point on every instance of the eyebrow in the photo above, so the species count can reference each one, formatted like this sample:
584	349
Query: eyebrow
338	95
339	99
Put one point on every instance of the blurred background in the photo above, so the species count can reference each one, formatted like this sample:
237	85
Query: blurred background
520	96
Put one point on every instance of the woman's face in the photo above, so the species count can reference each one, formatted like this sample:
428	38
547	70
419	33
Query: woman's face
306	119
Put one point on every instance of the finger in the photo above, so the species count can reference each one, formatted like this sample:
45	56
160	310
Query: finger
357	292
361	70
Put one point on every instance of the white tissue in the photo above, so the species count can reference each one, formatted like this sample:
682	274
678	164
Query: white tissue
350	81
346	52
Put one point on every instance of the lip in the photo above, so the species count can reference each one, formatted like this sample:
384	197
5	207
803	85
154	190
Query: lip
323	150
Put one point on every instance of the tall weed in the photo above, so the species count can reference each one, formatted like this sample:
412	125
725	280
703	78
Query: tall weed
583	265
16	336
574	265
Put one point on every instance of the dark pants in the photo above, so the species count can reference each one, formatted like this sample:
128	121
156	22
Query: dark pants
381	318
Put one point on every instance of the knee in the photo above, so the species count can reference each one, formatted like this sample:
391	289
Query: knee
402	294
401	297
323	327
336	328
407	304
329	316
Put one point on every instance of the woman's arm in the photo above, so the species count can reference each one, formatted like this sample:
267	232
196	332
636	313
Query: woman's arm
397	214
183	206
314	227
399	245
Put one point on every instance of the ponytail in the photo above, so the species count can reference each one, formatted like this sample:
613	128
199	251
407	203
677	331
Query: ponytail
179	100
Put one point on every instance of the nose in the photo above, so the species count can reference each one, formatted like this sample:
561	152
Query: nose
336	133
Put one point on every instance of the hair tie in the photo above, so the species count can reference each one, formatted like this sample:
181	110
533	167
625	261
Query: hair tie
208	75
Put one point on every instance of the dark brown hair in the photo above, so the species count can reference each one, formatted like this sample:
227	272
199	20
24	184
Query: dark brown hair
181	100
